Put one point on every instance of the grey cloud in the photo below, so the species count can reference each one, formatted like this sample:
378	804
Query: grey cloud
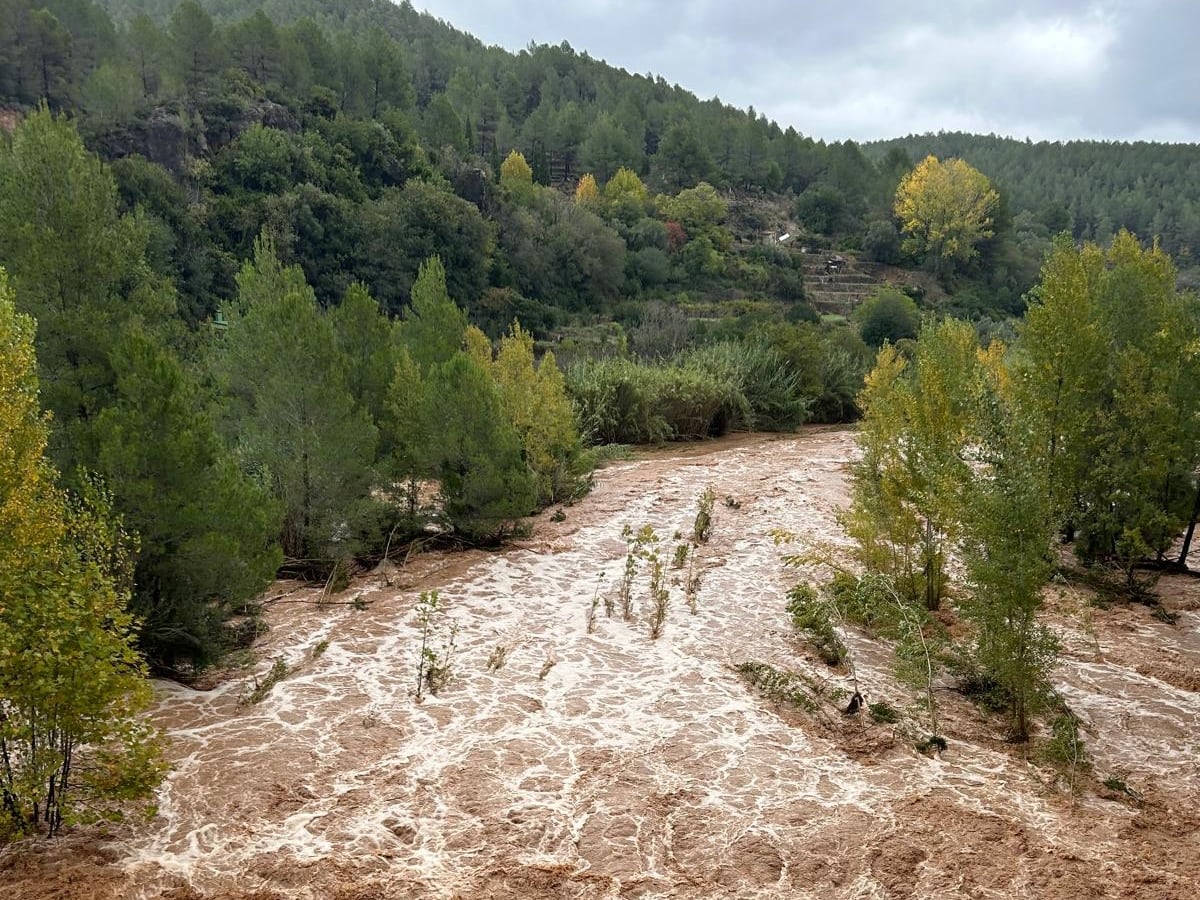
1058	69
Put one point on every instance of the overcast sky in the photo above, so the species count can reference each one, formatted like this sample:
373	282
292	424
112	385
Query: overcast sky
1058	69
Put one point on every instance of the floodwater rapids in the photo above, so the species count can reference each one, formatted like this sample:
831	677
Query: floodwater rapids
606	764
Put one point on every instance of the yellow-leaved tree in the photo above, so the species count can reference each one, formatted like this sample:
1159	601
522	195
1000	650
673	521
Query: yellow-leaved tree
533	397
72	685
586	191
945	209
516	176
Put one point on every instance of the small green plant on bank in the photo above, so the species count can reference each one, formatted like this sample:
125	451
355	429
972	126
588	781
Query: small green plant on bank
931	745
883	713
436	656
262	688
811	615
702	527
1118	783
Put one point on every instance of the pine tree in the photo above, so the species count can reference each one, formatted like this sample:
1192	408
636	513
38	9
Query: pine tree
207	534
292	416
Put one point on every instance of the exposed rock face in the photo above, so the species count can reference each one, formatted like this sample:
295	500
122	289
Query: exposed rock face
171	136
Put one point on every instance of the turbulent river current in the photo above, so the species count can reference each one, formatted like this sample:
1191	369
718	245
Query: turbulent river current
596	763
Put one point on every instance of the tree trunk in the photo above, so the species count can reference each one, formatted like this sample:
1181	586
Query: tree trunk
1191	529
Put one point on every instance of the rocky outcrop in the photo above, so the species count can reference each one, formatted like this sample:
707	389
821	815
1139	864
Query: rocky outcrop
170	135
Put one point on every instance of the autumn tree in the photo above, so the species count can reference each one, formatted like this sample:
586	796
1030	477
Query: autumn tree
945	209
906	509
516	177
72	686
534	400
586	191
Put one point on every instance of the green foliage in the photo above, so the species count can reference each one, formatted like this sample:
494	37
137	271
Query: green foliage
297	426
78	267
702	525
474	452
72	686
263	688
811	615
888	316
1065	747
699	393
207	533
1109	365
435	659
883	713
907	488
791	688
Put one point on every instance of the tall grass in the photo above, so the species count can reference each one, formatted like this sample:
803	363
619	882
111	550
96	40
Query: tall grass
707	391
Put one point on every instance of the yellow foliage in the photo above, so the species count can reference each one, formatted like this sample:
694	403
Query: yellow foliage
515	171
945	209
586	192
534	399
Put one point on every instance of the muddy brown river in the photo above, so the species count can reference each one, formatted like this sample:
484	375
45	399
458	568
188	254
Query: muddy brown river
603	764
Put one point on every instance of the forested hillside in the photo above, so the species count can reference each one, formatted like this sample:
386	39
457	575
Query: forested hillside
1089	188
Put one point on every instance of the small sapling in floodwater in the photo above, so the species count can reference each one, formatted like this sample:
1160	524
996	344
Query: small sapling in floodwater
702	527
498	657
680	557
691	583
434	661
595	605
660	596
638	543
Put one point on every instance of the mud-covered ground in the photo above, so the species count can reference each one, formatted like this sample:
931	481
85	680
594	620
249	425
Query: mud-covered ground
606	764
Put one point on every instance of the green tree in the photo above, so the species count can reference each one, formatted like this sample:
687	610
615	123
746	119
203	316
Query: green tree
433	326
194	41
367	341
945	210
78	267
887	315
1108	355
1008	516
906	508
206	534
72	687
292	416
473	451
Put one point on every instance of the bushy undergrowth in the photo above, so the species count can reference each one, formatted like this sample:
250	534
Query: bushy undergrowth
699	393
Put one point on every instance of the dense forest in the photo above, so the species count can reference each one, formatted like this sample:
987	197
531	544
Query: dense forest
307	282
